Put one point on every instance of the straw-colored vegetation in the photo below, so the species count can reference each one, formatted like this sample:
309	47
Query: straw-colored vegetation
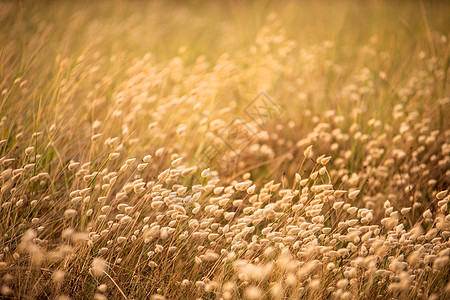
133	164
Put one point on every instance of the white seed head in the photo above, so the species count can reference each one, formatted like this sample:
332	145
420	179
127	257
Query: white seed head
308	153
205	173
353	195
29	150
142	166
253	293
99	267
70	213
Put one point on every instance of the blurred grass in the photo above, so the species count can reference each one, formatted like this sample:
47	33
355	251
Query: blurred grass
76	56
109	36
211	27
39	31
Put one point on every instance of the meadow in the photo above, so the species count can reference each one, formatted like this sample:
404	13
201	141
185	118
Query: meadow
224	150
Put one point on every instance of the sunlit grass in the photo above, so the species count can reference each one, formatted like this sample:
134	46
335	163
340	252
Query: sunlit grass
225	150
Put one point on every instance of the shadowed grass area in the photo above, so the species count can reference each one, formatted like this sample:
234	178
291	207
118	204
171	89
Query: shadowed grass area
224	149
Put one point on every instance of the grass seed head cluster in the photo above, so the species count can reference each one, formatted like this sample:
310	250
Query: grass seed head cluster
108	190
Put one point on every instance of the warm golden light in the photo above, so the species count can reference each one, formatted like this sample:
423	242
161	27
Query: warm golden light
224	149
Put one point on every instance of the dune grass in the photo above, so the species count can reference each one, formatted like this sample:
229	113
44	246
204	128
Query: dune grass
224	150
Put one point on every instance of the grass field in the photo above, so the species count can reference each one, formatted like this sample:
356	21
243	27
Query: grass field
224	150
